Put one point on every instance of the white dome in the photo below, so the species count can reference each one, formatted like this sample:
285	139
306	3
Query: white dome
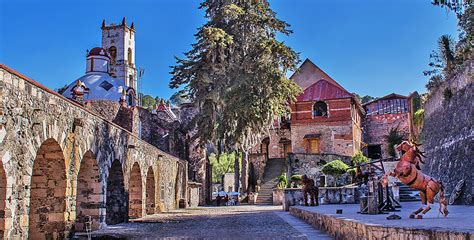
101	86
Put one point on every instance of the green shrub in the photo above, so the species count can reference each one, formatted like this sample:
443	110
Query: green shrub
335	168
351	172
296	177
282	181
393	138
418	117
359	158
448	94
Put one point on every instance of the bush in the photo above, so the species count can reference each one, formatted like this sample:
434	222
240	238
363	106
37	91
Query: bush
351	172
393	138
448	94
418	117
335	168
359	158
296	178
282	181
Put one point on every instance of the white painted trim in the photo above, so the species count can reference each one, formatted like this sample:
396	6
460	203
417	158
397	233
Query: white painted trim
340	109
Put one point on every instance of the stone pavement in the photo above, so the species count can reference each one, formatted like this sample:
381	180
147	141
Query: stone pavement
460	218
305	229
236	222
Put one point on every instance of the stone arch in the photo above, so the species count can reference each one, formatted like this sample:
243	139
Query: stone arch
48	193
150	191
89	193
117	198
113	54
3	197
135	191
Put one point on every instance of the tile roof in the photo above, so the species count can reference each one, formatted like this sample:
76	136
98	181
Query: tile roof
323	90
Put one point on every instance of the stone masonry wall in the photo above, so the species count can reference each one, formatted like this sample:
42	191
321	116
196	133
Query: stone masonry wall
259	161
335	137
36	123
377	126
448	140
311	165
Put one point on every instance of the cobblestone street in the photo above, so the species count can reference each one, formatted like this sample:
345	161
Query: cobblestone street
240	222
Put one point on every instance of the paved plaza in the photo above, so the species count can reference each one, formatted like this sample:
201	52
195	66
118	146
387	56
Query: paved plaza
237	222
460	218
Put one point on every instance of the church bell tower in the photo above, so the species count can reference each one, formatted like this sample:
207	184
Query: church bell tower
119	41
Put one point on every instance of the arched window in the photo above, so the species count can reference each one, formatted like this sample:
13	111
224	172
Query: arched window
320	109
113	54
129	56
131	101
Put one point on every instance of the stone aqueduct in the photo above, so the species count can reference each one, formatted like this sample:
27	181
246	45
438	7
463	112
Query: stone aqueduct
62	164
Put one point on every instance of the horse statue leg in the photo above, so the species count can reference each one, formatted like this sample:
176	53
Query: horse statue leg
305	197
316	195
423	202
443	203
432	189
313	195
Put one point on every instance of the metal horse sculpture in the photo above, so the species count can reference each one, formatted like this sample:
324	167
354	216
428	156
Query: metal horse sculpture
309	188
408	171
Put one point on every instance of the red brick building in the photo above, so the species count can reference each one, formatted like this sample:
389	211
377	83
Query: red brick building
383	114
326	118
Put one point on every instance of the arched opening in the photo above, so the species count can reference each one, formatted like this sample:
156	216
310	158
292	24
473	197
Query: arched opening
129	56
265	147
89	193
150	191
320	109
131	97
135	191
113	54
117	200
48	193
3	197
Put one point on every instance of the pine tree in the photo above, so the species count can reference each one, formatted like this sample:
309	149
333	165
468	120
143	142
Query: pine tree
236	74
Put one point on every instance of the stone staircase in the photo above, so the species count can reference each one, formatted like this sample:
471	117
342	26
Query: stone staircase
408	194
273	170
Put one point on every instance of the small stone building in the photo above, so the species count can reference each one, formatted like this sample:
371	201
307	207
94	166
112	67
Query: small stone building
326	118
383	114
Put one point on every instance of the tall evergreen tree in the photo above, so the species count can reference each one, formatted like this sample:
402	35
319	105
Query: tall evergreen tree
236	74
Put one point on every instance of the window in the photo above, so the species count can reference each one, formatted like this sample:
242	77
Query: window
129	56
313	145
113	54
320	109
130	99
130	81
106	85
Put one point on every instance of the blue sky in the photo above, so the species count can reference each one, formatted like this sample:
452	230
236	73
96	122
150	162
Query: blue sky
371	47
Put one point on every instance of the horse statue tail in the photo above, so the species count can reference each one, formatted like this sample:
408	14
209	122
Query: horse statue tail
443	203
